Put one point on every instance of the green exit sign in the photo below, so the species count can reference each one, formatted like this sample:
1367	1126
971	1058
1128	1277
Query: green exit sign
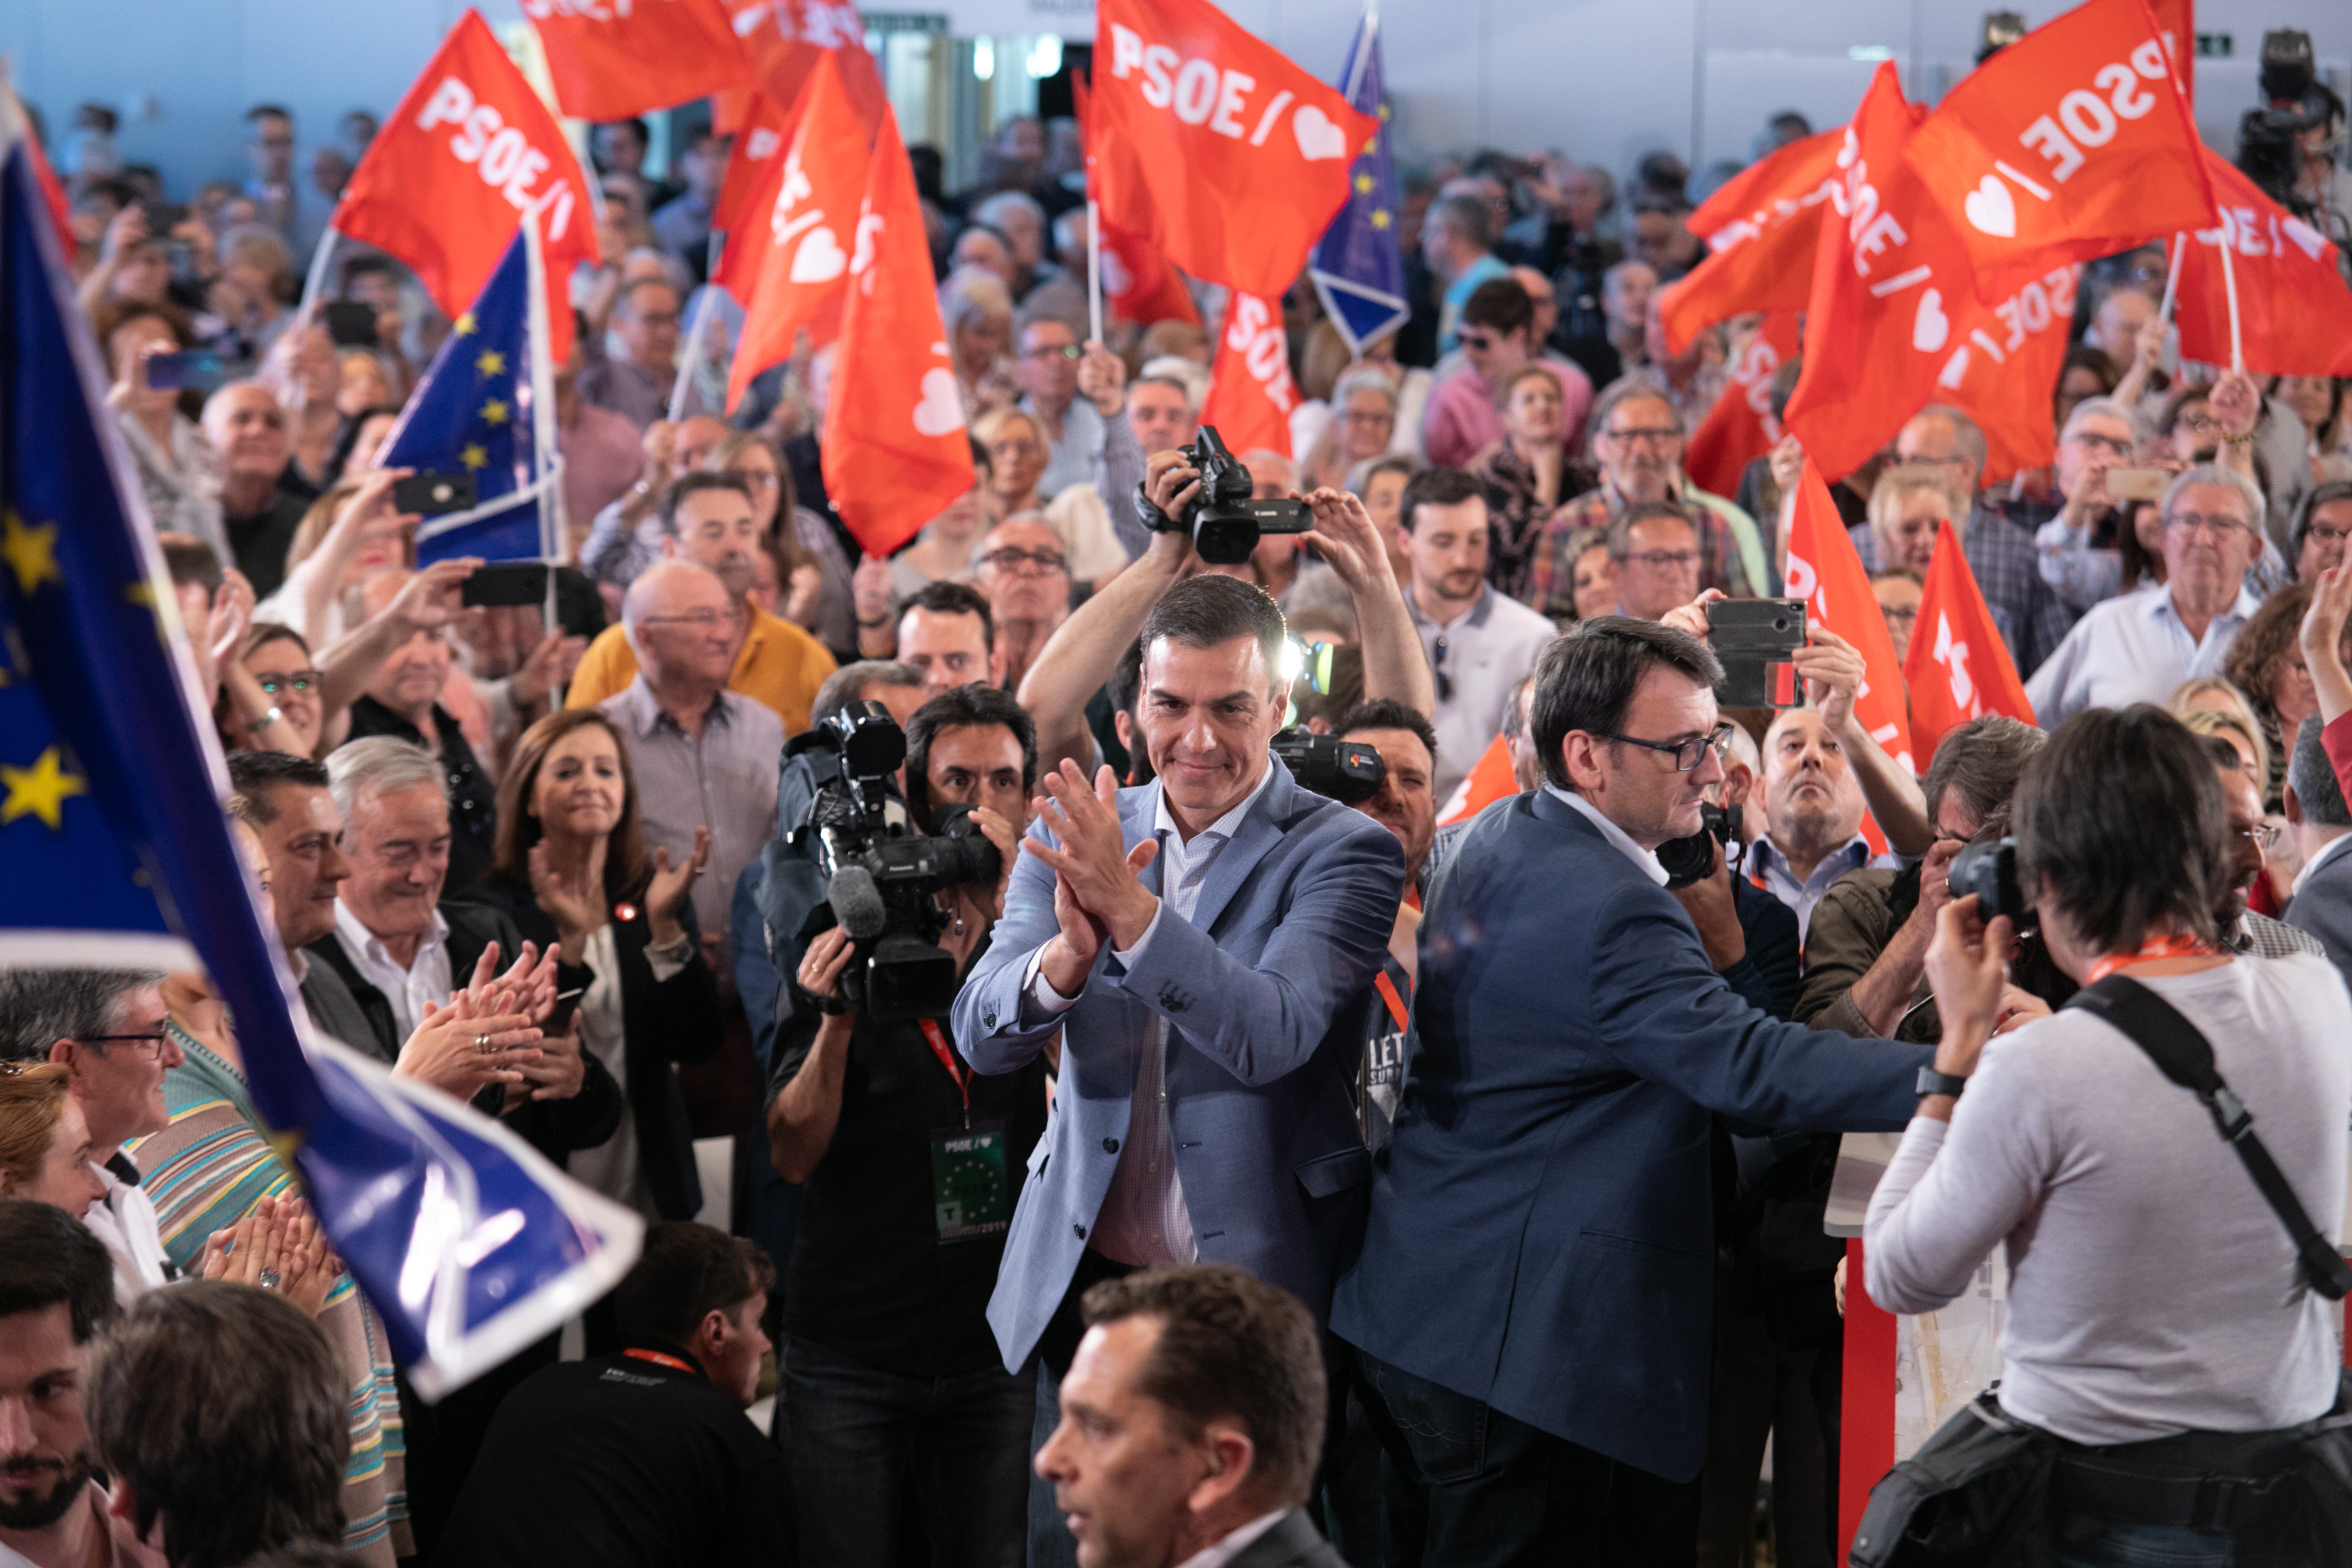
2215	45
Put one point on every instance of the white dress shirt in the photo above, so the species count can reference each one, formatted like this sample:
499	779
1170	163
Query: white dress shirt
1143	1218
1227	1547
125	1220
1618	838
2132	650
426	979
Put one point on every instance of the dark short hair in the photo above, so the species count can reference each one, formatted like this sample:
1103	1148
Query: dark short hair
2121	818
843	686
629	123
40	1008
189	561
48	1257
2313	779
976	706
252	775
1437	487
684	1273
1209	611
1501	303
226	1411
1387	713
2318	495
1620	526
1980	761
1231	1347
1585	679
693	483
1125	688
945	597
266	111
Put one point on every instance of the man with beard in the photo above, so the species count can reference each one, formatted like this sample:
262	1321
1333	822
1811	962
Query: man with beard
57	1291
2250	842
707	519
1407	807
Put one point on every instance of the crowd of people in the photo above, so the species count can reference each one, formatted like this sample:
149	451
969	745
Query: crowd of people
1425	1175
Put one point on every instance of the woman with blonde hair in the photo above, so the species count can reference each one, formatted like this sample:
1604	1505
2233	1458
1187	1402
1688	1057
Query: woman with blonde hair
348	533
1909	505
44	1145
977	313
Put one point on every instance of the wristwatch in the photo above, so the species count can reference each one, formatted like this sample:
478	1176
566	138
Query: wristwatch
1934	1082
272	717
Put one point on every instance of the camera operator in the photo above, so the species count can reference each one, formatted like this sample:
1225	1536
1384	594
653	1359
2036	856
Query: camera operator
1539	1263
2159	1313
888	1354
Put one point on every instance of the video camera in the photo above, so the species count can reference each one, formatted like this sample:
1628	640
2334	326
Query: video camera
2294	101
1224	523
1347	771
882	873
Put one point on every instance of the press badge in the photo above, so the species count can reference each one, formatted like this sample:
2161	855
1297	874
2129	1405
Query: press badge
971	1196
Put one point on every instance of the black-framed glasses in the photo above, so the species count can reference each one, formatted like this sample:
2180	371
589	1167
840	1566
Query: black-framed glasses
1055	351
1687	754
302	683
1026	563
147	1045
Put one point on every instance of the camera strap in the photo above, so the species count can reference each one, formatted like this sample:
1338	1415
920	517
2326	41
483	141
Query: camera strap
2183	1055
937	1039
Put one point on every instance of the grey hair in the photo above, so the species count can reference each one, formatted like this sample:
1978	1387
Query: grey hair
1190	375
1626	391
2214	474
1966	431
841	686
1360	377
2105	407
1005	201
969	294
363	769
40	1008
2313	779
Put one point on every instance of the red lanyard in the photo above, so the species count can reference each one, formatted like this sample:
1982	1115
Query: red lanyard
2180	944
946	1053
658	1359
1397	1011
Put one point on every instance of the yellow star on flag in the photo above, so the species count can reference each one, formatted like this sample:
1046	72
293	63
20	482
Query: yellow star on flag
464	325
494	412
1380	217
1363	184
31	551
1371	145
1382	111
473	456
40	790
492	362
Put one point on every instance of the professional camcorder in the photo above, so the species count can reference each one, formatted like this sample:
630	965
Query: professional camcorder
1224	521
2294	100
1343	771
882	872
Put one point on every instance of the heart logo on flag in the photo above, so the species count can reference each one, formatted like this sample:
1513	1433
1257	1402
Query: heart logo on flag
1318	137
819	259
941	409
1931	326
1956	368
1991	208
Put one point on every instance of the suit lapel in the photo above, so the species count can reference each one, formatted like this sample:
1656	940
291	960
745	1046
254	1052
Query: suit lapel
1259	832
1138	812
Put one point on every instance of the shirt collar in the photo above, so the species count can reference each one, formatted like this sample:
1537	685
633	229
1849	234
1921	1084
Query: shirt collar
2159	602
1480	609
2326	852
1645	859
1855	852
364	943
645	715
1223	827
1233	1543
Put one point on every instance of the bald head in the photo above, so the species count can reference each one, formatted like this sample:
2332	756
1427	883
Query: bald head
685	626
1023	571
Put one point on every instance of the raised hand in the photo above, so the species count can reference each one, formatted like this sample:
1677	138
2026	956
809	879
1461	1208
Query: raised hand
430	598
1102	379
666	893
574	899
1101	870
1350	542
460	1050
1834	672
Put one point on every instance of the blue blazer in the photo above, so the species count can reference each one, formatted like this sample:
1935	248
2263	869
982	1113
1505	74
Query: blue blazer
1542	1234
1265	992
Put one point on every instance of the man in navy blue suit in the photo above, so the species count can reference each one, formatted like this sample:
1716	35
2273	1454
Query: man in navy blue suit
1531	1304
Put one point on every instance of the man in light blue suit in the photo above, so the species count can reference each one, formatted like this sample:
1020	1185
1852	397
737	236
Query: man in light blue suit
1207	944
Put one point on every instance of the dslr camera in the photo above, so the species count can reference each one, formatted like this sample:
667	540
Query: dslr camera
1690	860
1347	771
1224	523
1988	870
882	872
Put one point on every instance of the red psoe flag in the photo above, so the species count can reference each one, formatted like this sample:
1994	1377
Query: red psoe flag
2070	144
1890	282
1825	572
2176	24
1251	396
1234	159
782	40
613	59
895	447
1958	668
791	253
2295	313
762	127
1138	284
2004	372
1761	228
445	182
1740	428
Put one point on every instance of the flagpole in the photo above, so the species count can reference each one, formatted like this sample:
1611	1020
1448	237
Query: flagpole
2172	278
312	284
1094	267
2230	286
677	389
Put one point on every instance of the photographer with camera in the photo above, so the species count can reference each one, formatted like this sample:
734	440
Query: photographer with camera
912	1164
2163	1159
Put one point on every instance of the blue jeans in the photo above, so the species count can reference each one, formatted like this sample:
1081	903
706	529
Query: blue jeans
857	1436
2146	1546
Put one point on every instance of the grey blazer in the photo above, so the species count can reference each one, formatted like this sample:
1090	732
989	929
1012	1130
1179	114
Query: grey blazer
2323	908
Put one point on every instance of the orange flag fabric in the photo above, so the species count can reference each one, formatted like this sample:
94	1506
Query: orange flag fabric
1761	228
1825	572
782	40
2295	313
1740	428
613	59
446	181
762	127
1890	279
1236	160
792	253
1138	284
2005	370
2176	24
1489	780
2070	144
1251	396
1958	668
895	447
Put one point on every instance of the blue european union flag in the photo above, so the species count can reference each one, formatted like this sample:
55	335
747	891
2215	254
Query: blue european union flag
487	407
114	851
1356	266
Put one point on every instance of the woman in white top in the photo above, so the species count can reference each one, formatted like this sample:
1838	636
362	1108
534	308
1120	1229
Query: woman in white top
2152	1291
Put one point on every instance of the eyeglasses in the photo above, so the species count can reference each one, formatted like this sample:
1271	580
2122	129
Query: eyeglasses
1482	341
1687	754
2199	522
147	1045
2112	444
1654	435
1906	617
2264	834
2197	422
1002	450
1060	351
302	683
758	478
700	620
1369	416
1019	562
1665	559
2326	535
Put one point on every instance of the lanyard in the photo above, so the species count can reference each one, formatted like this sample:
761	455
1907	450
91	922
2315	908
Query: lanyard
941	1049
2180	944
658	1359
1387	988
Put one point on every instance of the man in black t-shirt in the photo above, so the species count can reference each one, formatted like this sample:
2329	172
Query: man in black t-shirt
644	1457
913	1165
